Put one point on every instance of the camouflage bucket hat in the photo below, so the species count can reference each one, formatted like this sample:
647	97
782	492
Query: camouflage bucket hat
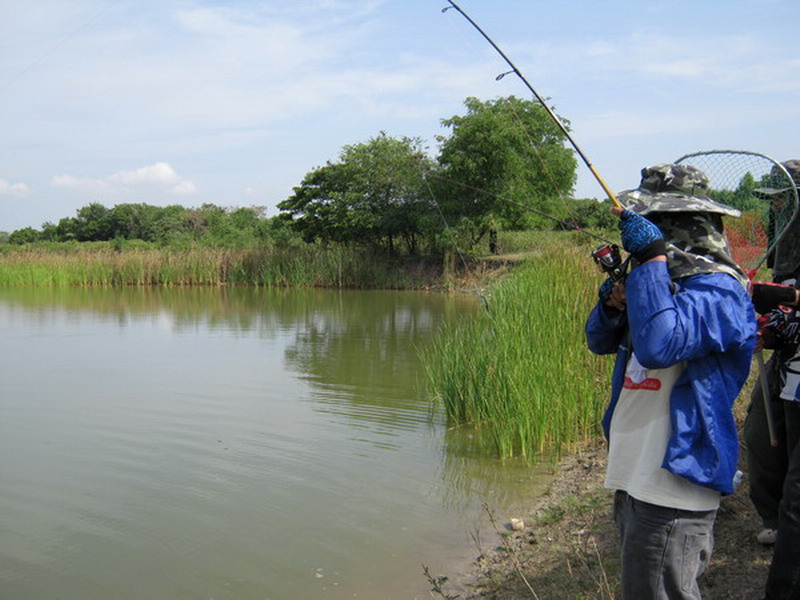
673	188
778	183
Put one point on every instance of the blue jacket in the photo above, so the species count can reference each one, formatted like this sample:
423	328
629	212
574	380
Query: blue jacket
708	321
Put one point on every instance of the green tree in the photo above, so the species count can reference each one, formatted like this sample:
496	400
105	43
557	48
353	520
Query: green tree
588	213
504	161
26	235
376	194
94	223
63	232
136	221
168	222
742	197
247	218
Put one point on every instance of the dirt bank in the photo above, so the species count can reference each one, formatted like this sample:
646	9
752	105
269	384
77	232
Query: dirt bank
569	547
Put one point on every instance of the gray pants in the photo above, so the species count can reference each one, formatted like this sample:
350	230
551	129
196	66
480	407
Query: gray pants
664	550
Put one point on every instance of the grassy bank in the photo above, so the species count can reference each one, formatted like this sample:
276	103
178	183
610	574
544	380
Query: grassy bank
296	265
520	373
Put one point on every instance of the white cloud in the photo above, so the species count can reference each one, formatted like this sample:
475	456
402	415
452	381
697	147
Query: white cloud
740	60
160	175
726	61
79	184
184	188
13	189
160	172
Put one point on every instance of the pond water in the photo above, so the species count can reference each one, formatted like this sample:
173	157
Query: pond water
233	443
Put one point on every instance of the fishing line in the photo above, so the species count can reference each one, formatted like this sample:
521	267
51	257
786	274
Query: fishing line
565	224
545	169
444	219
58	45
544	105
517	119
542	162
480	293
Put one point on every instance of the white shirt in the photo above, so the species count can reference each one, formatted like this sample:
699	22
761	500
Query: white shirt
639	434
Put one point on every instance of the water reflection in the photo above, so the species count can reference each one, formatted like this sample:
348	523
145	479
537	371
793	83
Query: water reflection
358	350
231	442
471	476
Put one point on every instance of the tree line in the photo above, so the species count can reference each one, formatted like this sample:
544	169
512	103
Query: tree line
165	225
503	165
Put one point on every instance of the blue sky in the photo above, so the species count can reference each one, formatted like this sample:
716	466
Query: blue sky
191	101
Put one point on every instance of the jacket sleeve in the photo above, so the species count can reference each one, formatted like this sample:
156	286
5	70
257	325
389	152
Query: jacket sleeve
604	329
706	314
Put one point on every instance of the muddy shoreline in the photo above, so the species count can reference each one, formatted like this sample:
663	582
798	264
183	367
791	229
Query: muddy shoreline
569	547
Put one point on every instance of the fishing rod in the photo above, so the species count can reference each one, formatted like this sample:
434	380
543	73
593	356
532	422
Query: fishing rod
549	111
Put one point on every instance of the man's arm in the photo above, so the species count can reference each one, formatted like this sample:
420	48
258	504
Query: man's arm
604	328
709	313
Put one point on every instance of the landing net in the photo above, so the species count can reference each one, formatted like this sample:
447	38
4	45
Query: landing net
758	186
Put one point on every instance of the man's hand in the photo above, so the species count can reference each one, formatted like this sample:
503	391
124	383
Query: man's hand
640	237
768	296
612	294
766	336
779	329
605	290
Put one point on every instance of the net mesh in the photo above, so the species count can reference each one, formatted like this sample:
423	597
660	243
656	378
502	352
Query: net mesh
758	186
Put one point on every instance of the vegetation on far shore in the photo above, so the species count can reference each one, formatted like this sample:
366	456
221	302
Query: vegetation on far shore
385	214
264	265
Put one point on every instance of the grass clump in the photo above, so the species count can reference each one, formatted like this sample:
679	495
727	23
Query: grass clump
520	372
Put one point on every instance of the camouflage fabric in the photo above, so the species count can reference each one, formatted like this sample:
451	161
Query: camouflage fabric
675	198
696	244
785	259
673	188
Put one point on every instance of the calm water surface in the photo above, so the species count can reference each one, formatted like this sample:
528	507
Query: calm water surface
243	444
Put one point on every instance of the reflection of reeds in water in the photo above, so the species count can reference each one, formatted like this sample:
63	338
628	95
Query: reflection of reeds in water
520	372
264	266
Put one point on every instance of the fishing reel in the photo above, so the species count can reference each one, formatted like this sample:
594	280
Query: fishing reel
609	259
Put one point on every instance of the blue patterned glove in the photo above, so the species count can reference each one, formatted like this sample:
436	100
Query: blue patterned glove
640	237
605	290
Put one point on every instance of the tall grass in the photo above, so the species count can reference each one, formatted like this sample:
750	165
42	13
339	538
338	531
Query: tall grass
301	265
519	372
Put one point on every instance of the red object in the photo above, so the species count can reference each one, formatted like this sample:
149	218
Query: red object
650	384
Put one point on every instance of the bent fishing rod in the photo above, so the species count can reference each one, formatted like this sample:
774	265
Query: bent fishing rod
549	111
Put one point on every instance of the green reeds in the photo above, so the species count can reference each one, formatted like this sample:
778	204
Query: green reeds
301	265
519	372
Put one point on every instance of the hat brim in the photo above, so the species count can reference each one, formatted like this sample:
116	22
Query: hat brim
644	203
771	191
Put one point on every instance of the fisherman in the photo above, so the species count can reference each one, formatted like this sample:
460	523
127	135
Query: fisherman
781	331
774	470
767	464
683	328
